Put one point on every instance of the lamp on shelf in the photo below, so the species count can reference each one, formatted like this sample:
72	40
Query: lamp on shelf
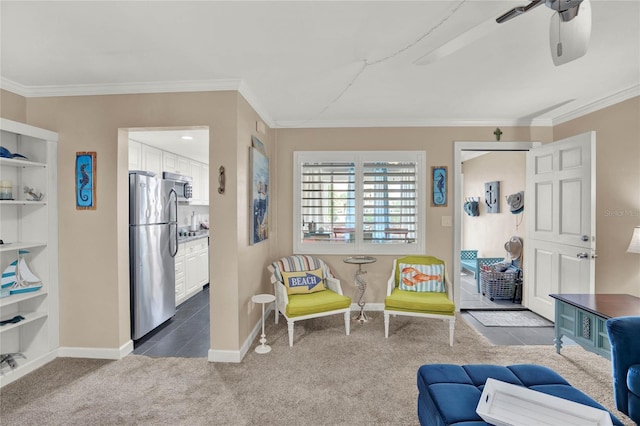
634	245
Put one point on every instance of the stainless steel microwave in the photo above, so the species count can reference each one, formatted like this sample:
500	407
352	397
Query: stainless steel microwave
181	184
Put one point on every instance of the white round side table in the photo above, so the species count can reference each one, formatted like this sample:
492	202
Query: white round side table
263	299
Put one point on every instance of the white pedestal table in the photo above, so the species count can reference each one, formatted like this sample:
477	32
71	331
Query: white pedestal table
263	299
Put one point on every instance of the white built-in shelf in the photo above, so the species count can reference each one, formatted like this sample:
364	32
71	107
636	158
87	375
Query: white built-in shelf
28	317
21	246
20	163
21	297
23	202
30	225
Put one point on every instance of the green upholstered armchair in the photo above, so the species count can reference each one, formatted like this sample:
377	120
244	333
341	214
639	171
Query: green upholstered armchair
434	301
306	305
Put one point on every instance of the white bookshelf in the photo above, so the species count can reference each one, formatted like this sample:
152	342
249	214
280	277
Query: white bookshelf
32	226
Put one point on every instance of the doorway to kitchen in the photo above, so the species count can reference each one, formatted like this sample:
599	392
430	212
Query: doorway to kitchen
180	156
186	335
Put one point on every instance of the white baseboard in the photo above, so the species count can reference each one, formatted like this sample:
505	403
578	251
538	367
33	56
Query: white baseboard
99	353
215	355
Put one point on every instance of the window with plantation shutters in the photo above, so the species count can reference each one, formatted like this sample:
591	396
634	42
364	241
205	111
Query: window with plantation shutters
359	202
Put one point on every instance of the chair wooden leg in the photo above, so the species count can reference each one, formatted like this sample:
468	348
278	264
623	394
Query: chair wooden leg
347	322
451	327
386	324
290	328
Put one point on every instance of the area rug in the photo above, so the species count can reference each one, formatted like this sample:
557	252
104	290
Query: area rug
510	319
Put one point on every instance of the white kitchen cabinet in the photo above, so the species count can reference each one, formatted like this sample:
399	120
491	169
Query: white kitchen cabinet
30	226
196	261
135	155
152	159
204	181
196	175
200	175
175	163
181	293
145	157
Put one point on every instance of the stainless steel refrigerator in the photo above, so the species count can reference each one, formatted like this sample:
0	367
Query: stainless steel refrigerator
153	244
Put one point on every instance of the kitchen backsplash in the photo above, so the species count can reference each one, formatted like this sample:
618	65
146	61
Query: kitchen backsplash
185	212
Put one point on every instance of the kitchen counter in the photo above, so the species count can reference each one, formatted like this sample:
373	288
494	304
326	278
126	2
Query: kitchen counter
187	238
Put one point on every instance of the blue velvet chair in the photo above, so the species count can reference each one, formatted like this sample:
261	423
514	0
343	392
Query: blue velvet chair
624	336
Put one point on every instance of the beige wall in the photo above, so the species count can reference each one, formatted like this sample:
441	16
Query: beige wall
617	191
13	107
94	282
438	144
94	244
252	260
488	232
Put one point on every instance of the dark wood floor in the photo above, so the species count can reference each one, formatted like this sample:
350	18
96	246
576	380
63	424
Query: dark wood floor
185	335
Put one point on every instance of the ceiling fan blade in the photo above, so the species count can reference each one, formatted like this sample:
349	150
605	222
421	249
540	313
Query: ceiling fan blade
516	11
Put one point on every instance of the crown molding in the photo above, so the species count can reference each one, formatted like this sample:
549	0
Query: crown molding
605	102
120	88
413	123
252	99
141	87
241	87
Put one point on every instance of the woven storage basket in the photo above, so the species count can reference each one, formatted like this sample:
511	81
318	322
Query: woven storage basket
498	285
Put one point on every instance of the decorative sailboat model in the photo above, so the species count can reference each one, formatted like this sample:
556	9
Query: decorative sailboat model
18	278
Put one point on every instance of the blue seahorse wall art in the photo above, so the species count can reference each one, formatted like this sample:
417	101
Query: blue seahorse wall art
85	188
439	194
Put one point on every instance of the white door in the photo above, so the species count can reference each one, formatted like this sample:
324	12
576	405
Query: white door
560	245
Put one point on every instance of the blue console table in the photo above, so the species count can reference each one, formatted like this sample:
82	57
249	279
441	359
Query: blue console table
582	318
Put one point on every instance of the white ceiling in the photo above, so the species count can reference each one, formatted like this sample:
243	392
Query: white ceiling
326	63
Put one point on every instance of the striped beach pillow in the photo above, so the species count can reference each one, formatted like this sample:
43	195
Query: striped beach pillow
422	278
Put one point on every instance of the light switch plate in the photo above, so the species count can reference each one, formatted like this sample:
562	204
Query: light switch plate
446	221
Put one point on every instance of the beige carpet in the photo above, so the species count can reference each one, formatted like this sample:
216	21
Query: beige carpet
326	378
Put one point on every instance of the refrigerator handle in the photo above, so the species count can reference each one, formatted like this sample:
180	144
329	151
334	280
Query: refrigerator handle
175	239
174	196
173	199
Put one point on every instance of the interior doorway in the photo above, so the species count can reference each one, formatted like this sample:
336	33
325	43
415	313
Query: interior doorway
460	148
183	152
486	229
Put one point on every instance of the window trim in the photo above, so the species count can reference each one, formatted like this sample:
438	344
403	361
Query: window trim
359	158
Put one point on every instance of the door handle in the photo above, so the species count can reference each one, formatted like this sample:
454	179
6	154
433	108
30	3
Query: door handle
582	255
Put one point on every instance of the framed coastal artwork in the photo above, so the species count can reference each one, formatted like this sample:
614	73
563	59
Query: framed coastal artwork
439	189
85	174
259	196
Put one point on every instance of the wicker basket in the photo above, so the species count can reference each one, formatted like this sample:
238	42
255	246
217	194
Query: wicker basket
498	285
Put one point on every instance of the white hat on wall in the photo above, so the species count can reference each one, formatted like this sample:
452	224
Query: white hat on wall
514	247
